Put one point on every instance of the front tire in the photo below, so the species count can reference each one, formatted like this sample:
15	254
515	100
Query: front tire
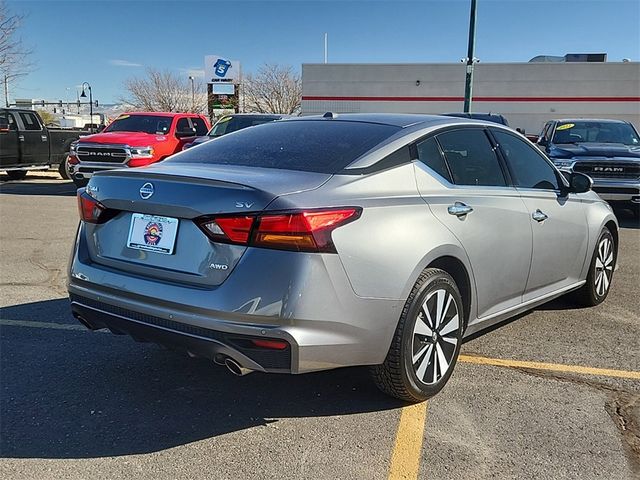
600	275
426	344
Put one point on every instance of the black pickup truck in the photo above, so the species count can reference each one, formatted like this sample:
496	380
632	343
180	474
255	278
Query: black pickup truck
27	144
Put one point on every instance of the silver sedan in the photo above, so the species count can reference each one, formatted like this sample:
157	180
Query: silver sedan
323	242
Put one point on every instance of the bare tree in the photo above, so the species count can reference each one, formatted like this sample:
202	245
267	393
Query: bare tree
14	54
274	89
165	91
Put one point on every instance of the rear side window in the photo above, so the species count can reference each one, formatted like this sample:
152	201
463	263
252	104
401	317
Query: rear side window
529	168
183	125
200	126
30	121
471	158
429	153
324	146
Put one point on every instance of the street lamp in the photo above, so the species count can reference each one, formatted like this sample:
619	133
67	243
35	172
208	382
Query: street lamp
84	95
193	96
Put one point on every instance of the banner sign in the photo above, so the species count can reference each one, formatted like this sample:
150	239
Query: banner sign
220	69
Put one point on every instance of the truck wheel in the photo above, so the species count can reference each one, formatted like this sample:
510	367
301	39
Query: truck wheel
62	169
16	174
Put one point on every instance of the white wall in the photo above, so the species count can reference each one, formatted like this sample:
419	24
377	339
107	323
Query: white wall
528	94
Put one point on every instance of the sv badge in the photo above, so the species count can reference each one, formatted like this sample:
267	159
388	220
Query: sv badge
244	204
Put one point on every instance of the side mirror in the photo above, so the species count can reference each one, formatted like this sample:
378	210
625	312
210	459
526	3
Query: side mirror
542	142
578	182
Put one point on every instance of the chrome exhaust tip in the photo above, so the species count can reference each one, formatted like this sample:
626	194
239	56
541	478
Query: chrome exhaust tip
235	368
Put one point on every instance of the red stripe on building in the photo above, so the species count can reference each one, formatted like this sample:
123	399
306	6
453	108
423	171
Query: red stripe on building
475	99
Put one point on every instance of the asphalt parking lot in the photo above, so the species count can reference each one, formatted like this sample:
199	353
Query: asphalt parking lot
552	394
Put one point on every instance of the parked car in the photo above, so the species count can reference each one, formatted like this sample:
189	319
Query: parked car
133	140
606	150
233	123
323	242
27	144
487	117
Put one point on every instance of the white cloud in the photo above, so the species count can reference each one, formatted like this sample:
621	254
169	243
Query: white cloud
124	63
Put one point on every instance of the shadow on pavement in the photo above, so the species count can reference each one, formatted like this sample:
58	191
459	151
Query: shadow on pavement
81	394
30	187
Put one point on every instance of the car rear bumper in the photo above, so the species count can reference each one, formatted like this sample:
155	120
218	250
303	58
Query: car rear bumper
304	299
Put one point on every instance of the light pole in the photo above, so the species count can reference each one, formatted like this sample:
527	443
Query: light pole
84	95
193	95
8	77
468	84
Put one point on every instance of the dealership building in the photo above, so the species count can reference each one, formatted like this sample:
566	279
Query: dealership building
527	94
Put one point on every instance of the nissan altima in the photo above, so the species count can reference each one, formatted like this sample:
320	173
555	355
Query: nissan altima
322	242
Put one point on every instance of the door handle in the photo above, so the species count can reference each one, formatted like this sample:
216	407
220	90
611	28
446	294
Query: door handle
539	216
21	138
459	209
43	138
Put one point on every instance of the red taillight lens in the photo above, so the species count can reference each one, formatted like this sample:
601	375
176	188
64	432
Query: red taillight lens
71	160
89	208
270	344
304	231
308	231
234	229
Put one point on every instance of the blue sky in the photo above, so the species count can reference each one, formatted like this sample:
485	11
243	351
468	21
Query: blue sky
105	42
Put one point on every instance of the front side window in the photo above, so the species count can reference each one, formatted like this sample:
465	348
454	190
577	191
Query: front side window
471	158
30	121
529	168
200	126
183	126
429	153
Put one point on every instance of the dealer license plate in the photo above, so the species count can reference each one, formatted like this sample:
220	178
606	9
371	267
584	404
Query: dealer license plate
152	233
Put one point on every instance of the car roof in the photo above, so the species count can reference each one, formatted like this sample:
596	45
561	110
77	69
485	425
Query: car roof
589	120
257	115
402	120
161	114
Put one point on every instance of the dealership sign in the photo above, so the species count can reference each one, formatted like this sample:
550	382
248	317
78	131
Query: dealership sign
220	69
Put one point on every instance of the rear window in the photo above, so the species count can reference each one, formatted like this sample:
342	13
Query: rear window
324	146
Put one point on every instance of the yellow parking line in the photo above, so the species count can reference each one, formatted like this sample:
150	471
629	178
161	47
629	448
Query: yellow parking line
554	367
405	460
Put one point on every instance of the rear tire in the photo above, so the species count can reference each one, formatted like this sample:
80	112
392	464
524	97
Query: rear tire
426	344
16	174
600	275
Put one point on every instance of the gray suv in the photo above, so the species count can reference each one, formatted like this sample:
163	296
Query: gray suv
323	242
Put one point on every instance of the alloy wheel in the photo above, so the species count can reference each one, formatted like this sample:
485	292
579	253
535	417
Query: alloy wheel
435	336
604	266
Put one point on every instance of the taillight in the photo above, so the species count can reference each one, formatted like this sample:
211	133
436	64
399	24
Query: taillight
302	231
89	208
72	160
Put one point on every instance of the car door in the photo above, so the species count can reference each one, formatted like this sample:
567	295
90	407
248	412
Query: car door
9	148
34	140
558	220
479	207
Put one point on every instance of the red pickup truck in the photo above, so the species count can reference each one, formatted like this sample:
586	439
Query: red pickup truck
133	140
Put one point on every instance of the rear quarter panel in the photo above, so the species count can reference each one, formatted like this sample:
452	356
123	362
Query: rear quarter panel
386	249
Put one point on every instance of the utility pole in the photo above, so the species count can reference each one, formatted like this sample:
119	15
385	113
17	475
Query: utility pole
468	86
326	47
6	90
193	95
